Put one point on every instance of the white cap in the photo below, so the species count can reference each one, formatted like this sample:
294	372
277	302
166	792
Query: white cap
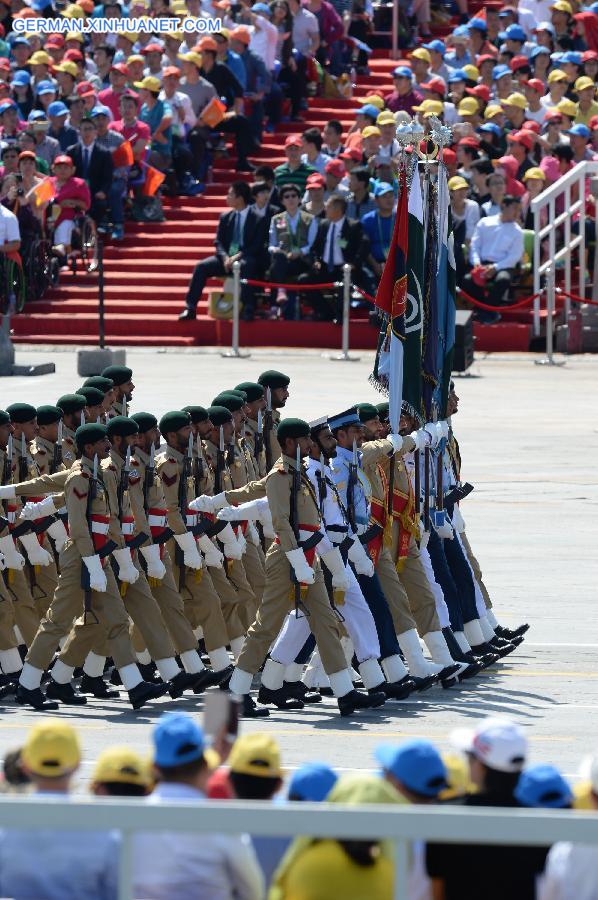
498	743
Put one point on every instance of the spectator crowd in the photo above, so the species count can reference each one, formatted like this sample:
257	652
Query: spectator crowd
487	767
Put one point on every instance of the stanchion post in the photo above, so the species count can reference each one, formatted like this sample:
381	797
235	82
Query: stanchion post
344	355
234	351
549	360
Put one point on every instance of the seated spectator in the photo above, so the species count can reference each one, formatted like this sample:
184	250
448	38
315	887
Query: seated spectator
50	757
292	234
237	238
120	772
71	196
10	160
535	182
520	145
183	124
495	253
377	226
10	237
507	167
264	211
498	188
167	865
579	137
26	142
17	196
360	200
109	139
389	146
312	146
157	115
65	134
334	174
403	97
266	175
110	96
311	783
332	134
94	165
136	132
314	204
481	170
46	148
294	171
465	213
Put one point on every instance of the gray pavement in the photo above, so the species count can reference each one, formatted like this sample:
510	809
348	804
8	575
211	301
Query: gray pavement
529	444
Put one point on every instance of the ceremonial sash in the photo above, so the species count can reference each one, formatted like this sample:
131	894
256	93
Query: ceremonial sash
99	531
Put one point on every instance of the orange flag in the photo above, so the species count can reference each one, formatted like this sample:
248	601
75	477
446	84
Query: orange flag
123	155
153	180
43	192
213	113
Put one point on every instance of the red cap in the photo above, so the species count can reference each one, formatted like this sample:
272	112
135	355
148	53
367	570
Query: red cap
536	85
171	70
449	156
54	40
74	54
293	140
316	180
519	62
63	158
485	57
120	67
85	89
351	153
207	43
521	137
436	85
335	167
480	90
553	116
530	125
469	142
152	47
589	55
5	64
26	154
593	123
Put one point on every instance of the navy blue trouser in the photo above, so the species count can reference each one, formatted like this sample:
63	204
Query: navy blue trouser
450	574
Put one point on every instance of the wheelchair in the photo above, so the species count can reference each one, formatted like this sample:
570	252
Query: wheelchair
41	268
84	244
13	288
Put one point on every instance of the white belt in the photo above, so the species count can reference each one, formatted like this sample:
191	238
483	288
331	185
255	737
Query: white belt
127	527
100	527
191	521
157	521
12	517
62	511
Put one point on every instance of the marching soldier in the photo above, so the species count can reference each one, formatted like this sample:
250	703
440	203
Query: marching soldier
255	407
72	406
276	387
94	404
106	386
122	381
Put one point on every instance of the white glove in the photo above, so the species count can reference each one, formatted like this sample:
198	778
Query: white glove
396	440
45	507
252	534
249	511
458	520
301	568
361	559
218	501
430	428
12	558
36	554
97	576
212	555
2	563
421	439
231	547
155	566
126	570
443	429
202	504
266	520
241	540
7	492
335	565
444	531
191	555
59	534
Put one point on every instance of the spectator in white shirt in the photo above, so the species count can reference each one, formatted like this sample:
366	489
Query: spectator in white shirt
306	30
53	864
189	866
10	236
311	141
497	187
264	38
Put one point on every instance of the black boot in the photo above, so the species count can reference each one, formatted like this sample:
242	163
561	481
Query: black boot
502	647
395	690
144	692
453	645
181	682
355	700
448	672
278	698
66	693
35	699
97	687
8	683
326	692
423	684
509	633
471	671
485	655
296	690
225	677
208	678
251	711
149	673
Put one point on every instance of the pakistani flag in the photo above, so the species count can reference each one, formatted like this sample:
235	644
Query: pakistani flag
412	347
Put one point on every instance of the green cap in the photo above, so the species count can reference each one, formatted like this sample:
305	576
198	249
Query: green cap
98	381
383	410
232	402
274	379
219	415
118	374
21	412
366	411
71	403
198	413
252	390
292	428
145	421
122	427
4	417
93	397
47	415
174	421
89	434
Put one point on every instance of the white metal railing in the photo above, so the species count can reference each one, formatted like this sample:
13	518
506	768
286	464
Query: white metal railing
574	182
400	824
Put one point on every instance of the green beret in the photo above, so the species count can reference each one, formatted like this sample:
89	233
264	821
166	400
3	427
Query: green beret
21	412
219	415
145	421
383	410
89	434
4	417
292	428
118	374
366	411
71	403
274	379
121	426
93	397
237	392
47	415
174	421
232	402
252	390
98	381
198	413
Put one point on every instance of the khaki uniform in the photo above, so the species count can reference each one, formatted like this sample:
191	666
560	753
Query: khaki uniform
259	461
46	577
202	603
68	602
276	600
69	447
271	438
242	472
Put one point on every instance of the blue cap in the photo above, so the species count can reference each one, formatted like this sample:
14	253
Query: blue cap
594	8
37	115
7	104
178	739
20	39
436	45
312	782
383	187
461	31
344	419
417	764
39	5
500	72
515	33
261	7
368	109
478	24
46	87
505	12
402	71
457	75
571	56
100	110
543	786
21	78
58	108
491	126
539	51
580	130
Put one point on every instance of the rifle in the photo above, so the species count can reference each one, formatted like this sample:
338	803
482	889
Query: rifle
198	472
351	484
85	577
439	481
148	480
123	483
57	456
220	464
417	483
427	488
6	476
23	468
259	438
268	429
183	482
294	522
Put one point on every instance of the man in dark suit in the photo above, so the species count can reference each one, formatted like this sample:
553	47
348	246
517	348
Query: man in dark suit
238	238
339	240
94	164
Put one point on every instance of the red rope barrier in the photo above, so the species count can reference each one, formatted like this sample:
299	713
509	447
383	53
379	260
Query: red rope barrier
517	305
291	287
575	297
364	294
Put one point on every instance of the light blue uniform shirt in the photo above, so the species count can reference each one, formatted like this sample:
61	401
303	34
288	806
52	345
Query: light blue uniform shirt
340	475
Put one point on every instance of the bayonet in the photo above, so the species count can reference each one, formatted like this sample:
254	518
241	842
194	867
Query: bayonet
268	429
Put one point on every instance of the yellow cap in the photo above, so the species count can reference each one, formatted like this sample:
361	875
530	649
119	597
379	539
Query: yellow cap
582	795
434	107
421	53
468	106
534	172
580	85
51	749
472	72
40	58
149	83
175	36
69	66
191	57
225	32
492	110
373	100
130	36
386	118
567	107
457	776
74	12
517	100
562	6
123	766
136	57
371	131
256	754
457	183
74	36
557	75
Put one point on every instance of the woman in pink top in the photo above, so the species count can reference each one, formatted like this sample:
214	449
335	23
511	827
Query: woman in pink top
72	196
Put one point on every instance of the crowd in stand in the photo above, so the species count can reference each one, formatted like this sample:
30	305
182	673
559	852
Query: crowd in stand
487	767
